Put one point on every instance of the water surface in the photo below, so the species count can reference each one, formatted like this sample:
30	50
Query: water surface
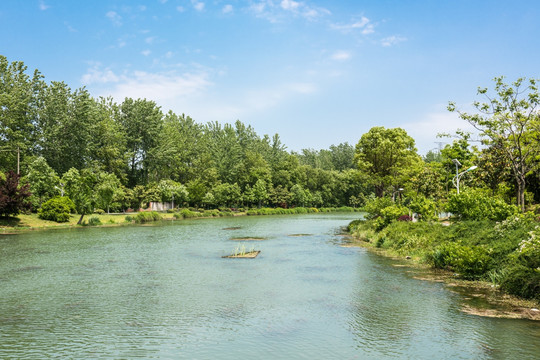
165	292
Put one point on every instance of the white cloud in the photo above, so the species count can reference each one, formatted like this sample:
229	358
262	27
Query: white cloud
278	11
146	52
289	4
197	5
142	8
180	9
114	17
150	39
43	6
364	25
341	55
97	75
166	88
70	28
227	9
392	40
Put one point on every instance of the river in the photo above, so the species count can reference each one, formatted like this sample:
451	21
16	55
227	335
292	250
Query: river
165	292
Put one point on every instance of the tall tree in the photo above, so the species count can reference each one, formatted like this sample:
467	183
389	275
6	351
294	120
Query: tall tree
384	154
19	105
142	121
510	119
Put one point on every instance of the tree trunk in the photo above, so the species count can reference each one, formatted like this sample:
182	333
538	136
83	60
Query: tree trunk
80	220
521	193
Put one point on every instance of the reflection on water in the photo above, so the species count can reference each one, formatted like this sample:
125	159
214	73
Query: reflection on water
165	292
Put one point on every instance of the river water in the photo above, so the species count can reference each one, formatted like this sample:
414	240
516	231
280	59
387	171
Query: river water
164	292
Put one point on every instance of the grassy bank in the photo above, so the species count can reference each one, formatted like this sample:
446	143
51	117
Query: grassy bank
32	222
506	254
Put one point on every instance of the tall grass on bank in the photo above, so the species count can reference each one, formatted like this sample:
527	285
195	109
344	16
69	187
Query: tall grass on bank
505	253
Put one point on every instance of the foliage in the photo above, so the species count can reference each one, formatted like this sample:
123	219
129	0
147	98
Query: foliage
471	262
94	221
147	216
57	209
509	118
478	205
14	198
384	154
426	208
43	181
374	206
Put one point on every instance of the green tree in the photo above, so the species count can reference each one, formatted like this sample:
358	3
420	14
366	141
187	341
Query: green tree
384	154
19	105
510	118
142	121
108	186
43	181
79	188
260	192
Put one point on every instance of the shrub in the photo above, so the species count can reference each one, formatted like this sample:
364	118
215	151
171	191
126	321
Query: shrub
57	209
144	217
478	205
425	208
389	214
129	218
522	281
374	206
99	211
94	221
471	262
404	218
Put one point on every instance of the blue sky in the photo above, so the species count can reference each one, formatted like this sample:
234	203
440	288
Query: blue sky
316	72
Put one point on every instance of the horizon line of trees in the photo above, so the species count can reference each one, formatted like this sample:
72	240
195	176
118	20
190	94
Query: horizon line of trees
114	156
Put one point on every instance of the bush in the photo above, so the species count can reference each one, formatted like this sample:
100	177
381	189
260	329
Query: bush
144	217
57	209
522	281
470	262
374	206
478	205
99	211
94	221
129	218
425	208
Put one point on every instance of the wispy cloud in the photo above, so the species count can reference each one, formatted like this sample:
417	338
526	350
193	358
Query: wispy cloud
146	52
276	11
114	17
227	9
70	28
341	55
43	6
197	5
364	26
392	40
163	87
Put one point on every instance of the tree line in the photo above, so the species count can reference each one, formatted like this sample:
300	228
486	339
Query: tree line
113	156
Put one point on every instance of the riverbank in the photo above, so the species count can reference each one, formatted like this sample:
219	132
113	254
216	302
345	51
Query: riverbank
477	259
29	222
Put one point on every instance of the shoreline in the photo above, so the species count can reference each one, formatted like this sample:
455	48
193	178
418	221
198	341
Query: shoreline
479	298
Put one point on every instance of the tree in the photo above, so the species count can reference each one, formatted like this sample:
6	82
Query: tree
384	154
13	197
43	181
78	186
510	119
108	185
259	192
